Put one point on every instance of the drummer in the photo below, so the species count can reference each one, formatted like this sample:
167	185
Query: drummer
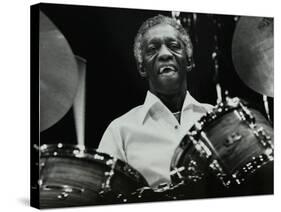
147	136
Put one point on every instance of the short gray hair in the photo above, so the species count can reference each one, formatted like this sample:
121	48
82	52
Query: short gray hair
160	19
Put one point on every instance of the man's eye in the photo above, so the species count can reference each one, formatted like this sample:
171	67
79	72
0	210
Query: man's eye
151	49
175	46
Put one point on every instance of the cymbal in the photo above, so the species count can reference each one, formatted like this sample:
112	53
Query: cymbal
252	53
58	74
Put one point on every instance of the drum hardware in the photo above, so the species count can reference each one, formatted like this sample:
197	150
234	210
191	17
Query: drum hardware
192	170
73	176
164	191
142	194
105	187
65	190
231	143
178	171
263	138
245	115
242	113
219	172
218	111
233	138
202	149
209	153
251	167
260	133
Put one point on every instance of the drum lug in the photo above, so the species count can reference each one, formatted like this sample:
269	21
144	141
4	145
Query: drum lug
232	102
251	167
263	138
106	186
219	173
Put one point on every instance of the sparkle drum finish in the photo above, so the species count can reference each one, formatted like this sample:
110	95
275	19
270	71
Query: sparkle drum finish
76	176
229	151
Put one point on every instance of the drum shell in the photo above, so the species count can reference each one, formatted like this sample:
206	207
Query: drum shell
68	179
236	154
236	145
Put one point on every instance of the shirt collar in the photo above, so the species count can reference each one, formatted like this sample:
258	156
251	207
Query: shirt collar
190	102
151	100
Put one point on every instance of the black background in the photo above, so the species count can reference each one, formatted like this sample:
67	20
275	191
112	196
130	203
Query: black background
105	37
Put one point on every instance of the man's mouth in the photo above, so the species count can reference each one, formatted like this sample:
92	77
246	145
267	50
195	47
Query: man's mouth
167	69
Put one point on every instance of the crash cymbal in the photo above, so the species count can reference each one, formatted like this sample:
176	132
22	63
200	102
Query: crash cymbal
58	74
252	53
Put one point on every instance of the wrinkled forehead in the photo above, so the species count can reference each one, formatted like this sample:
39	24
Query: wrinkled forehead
160	32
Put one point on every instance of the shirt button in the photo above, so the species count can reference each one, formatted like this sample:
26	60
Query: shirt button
176	127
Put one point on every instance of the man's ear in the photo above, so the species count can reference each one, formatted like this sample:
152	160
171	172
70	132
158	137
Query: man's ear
190	64
190	61
142	71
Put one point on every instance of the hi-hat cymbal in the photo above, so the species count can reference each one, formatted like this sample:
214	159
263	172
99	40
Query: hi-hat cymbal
252	53
58	74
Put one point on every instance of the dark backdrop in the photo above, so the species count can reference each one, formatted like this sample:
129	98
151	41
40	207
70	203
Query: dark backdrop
105	36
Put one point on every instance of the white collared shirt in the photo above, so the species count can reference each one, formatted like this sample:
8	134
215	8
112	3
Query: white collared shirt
147	136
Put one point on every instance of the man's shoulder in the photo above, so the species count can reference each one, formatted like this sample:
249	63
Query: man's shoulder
191	101
132	116
207	107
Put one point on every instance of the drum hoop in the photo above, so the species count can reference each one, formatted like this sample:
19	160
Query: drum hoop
175	170
89	154
217	112
242	173
179	151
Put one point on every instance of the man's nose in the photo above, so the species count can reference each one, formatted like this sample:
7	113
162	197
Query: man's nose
164	53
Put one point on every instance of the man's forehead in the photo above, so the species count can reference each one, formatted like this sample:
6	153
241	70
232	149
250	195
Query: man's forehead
161	31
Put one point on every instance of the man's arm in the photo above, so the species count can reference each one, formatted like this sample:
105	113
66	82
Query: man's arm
112	144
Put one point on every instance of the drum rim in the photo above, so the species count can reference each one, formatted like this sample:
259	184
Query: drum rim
91	154
179	151
217	112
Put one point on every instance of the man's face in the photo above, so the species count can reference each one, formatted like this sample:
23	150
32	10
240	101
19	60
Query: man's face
164	59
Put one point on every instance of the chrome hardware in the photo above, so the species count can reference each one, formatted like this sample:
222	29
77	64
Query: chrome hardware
177	171
263	137
256	163
65	190
203	150
232	102
233	138
63	195
106	187
194	173
208	153
219	173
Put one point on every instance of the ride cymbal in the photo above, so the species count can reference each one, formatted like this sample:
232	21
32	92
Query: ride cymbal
252	53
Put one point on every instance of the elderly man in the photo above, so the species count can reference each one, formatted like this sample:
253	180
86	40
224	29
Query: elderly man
146	136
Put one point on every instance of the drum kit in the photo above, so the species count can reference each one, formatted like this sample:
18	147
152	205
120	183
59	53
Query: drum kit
229	151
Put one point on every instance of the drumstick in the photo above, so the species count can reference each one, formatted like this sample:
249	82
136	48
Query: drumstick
79	102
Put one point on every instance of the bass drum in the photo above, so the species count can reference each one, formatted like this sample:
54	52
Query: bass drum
228	152
75	176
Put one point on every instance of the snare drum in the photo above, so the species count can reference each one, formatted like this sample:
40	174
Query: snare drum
75	176
230	146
